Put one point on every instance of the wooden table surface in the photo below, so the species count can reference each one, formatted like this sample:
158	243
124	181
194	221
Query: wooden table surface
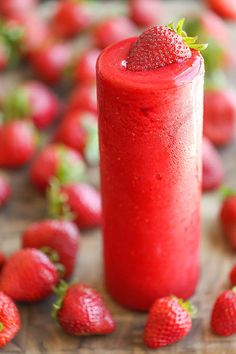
40	334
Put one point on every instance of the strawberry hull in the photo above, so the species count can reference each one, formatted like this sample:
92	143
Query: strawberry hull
150	131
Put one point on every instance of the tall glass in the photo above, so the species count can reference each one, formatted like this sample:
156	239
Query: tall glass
150	132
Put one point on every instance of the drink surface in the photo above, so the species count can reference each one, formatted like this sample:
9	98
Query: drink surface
150	131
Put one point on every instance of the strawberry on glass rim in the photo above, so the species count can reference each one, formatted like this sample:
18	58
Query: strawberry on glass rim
159	46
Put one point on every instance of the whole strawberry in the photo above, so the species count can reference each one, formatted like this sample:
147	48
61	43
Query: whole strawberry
85	66
5	190
81	311
32	100
10	321
113	30
160	46
9	8
79	130
219	115
226	9
17	143
232	275
53	236
71	17
212	167
78	201
145	12
57	161
28	275
36	32
51	61
169	321
223	317
83	98
228	218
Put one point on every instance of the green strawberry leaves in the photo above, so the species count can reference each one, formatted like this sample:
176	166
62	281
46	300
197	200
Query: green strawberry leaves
189	41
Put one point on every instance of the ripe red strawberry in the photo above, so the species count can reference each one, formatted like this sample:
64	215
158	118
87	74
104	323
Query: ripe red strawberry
212	167
113	30
169	321
35	31
57	161
85	66
81	311
78	130
28	275
228	218
10	321
81	201
9	8
71	17
54	235
232	275
5	191
159	46
219	115
145	12
51	61
223	317
33	100
17	143
226	9
83	98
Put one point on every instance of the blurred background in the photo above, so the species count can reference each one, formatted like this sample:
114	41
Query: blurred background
48	51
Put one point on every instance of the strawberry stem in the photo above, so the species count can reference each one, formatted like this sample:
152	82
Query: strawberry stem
57	202
187	306
67	171
226	192
1	326
60	291
189	41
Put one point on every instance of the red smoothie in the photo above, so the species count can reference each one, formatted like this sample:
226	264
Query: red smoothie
150	131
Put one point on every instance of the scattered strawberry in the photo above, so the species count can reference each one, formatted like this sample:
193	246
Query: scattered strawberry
2	259
10	321
223	317
28	275
33	100
17	143
57	161
226	9
71	17
81	311
9	8
83	98
85	66
113	30
228	218
145	12
81	201
51	61
160	46
232	275
169	321
54	235
5	192
219	115
35	31
4	57
78	130
212	167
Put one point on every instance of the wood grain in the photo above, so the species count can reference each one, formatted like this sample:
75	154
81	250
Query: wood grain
40	334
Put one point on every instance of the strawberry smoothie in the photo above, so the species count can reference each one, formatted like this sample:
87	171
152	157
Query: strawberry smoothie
150	131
